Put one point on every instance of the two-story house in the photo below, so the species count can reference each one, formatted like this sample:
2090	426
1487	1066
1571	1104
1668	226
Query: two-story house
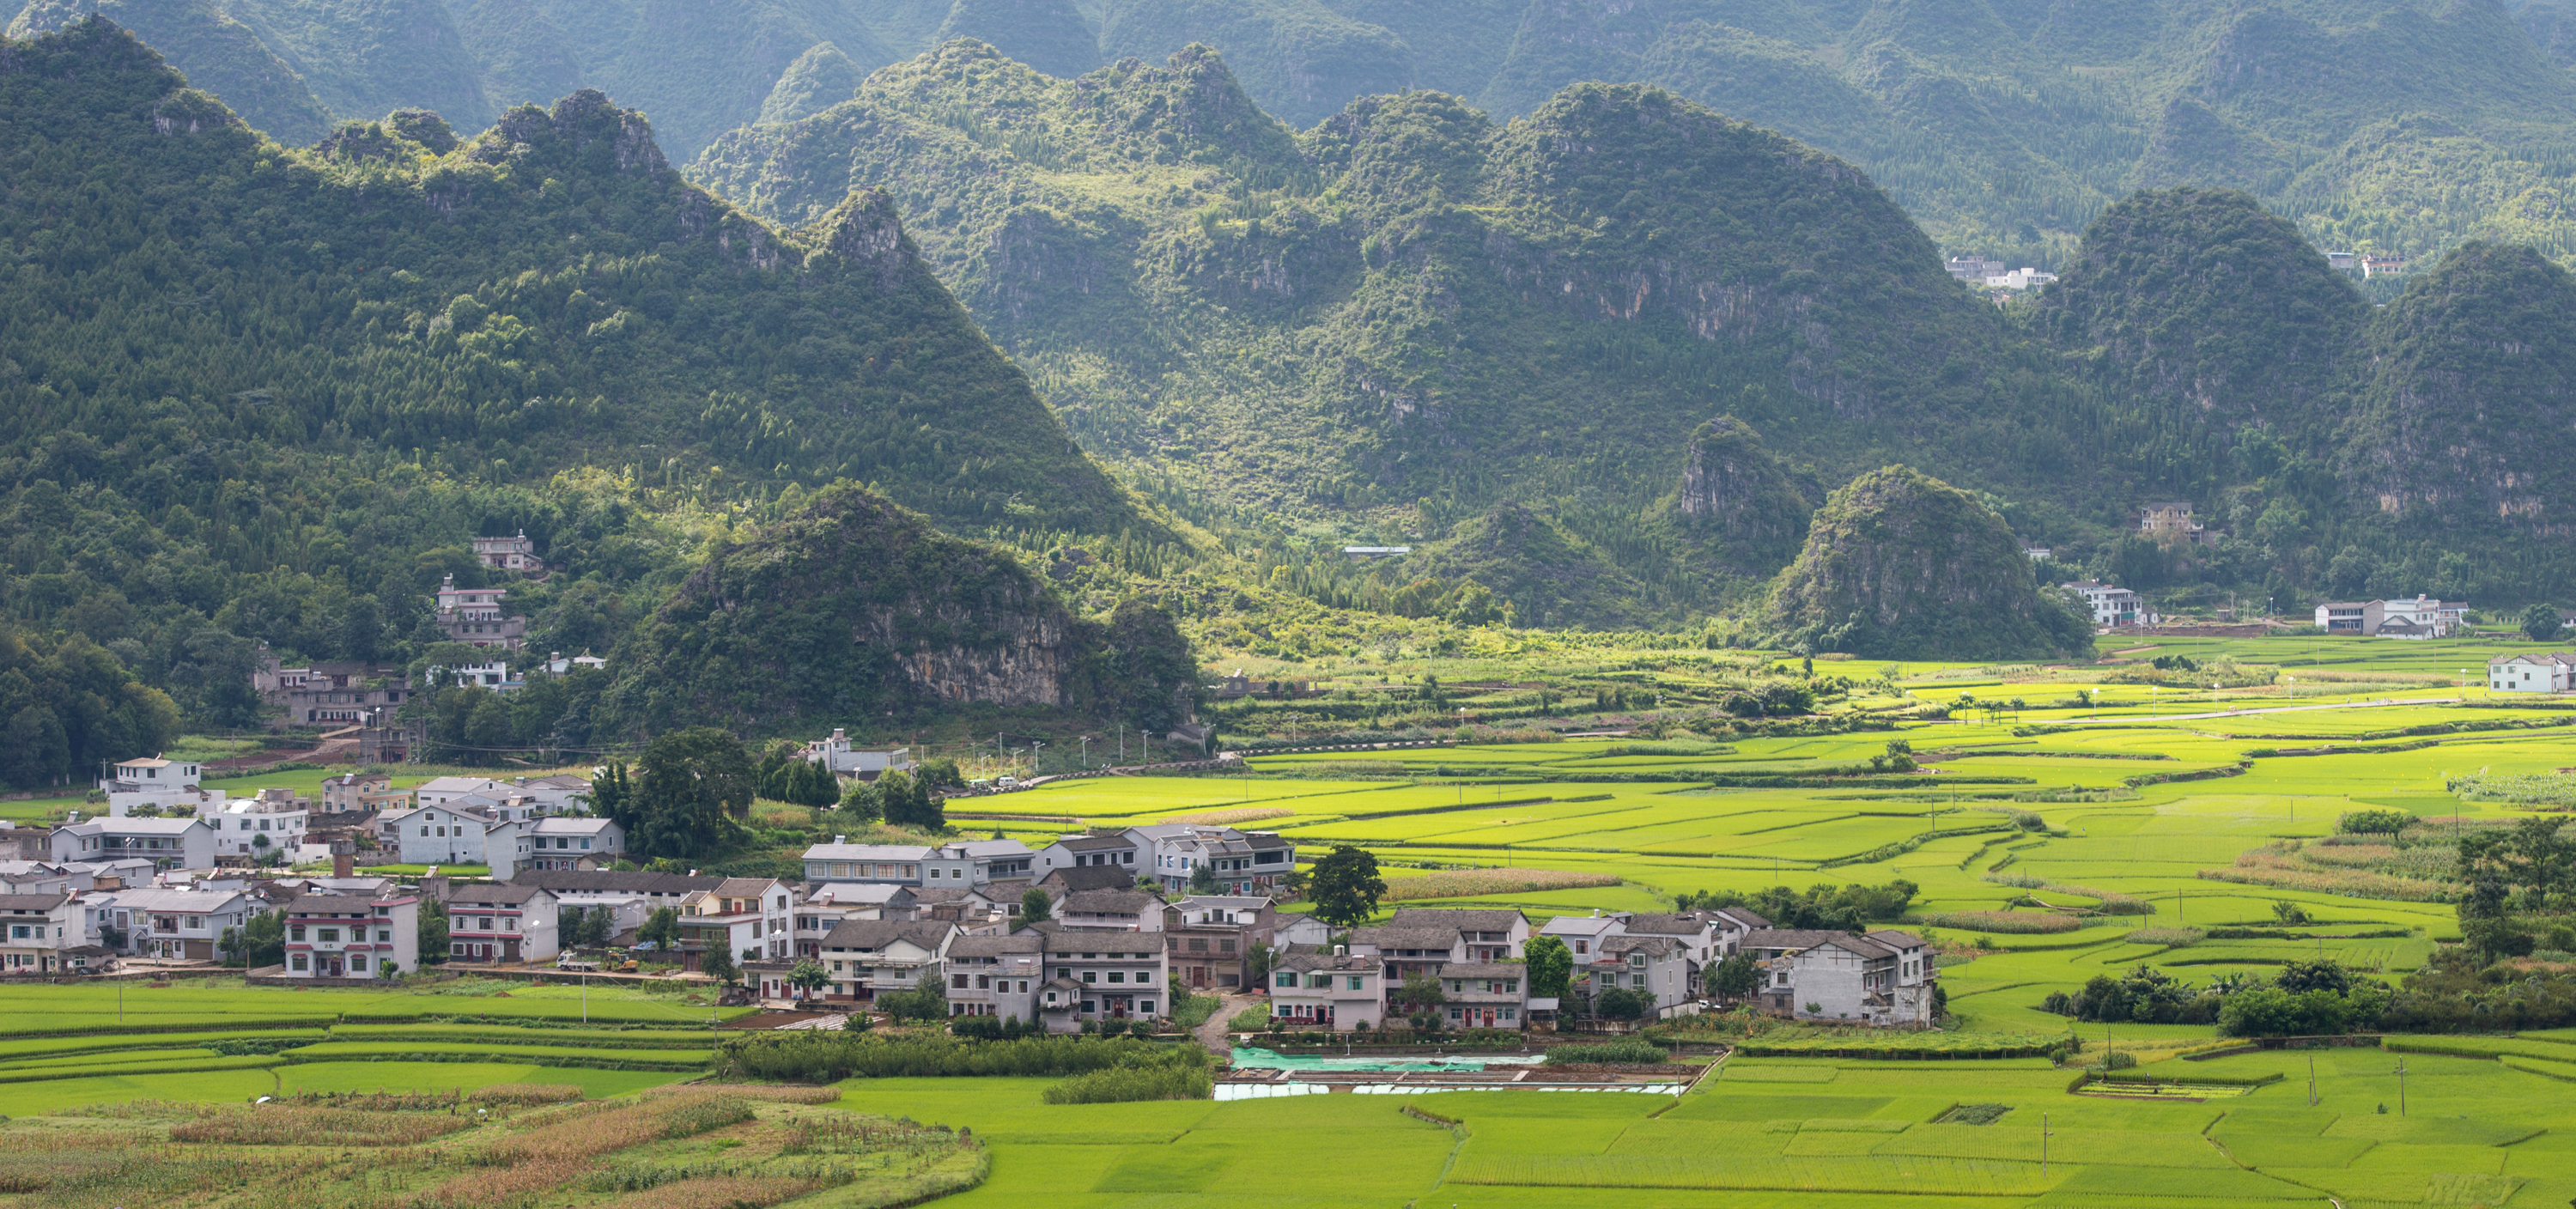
2108	604
502	924
516	554
1335	992
363	793
1882	978
1485	994
155	781
1484	934
1088	851
1115	910
848	763
996	975
268	826
447	833
167	843
825	905
1211	937
170	925
561	842
1243	863
478	617
869	958
748	918
842	861
1402	953
2554	672
352	935
1102	974
37	929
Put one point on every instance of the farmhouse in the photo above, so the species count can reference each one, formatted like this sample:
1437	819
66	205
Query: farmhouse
1883	978
2554	672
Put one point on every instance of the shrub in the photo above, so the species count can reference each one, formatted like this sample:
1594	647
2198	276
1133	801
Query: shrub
2373	822
1120	1085
2010	922
822	1057
2176	937
1623	1053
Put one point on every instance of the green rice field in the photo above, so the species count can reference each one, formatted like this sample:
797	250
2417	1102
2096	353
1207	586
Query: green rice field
2206	806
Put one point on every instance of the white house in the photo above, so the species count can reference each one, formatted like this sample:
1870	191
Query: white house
838	757
502	923
436	834
35	929
1883	978
740	915
155	781
2422	617
1485	994
352	935
254	827
2109	605
1102	975
557	842
171	925
167	843
1334	992
868	958
826	904
2554	672
996	975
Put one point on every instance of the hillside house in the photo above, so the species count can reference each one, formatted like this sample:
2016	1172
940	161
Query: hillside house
155	781
2169	520
747	918
515	554
850	763
448	834
2108	604
478	617
2422	617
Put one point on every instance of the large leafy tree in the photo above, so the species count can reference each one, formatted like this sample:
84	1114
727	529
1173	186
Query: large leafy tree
1549	962
687	786
2542	623
1345	887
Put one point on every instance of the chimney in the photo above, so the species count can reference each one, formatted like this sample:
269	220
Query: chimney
344	860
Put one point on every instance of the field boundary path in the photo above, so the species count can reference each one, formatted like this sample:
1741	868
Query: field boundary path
1212	1034
2382	703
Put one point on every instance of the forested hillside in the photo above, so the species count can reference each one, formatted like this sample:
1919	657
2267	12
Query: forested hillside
259	394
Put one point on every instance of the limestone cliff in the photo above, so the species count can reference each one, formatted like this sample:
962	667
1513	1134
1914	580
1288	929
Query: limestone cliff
853	607
1739	496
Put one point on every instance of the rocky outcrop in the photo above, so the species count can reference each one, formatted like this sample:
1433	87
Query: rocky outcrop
853	605
1739	494
1902	565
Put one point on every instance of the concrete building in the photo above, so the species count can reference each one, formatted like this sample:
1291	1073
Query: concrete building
167	843
449	834
996	975
870	958
352	935
1110	911
1485	994
1095	974
1884	978
170	925
516	554
850	763
502	924
2554	672
478	617
155	781
37	930
2109	605
1211	938
2422	617
739	915
1335	992
363	792
965	863
271	824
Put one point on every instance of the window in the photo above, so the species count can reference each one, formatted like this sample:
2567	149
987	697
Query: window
1117	976
1198	944
327	935
357	961
1225	946
196	921
295	933
1511	1013
1145	1006
585	844
1355	982
1144	976
1287	980
1090	1006
1050	999
957	982
295	962
384	936
1091	975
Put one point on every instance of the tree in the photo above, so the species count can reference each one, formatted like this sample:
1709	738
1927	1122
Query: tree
909	804
2373	822
1620	1003
2541	623
1036	907
919	1003
941	773
862	802
808	978
591	926
1346	887
687	785
612	795
661	930
1420	995
1549	962
1203	878
433	932
719	965
1735	978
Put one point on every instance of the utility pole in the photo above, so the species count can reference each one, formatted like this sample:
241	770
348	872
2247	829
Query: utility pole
2401	1086
2312	1080
2045	1133
1086	751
